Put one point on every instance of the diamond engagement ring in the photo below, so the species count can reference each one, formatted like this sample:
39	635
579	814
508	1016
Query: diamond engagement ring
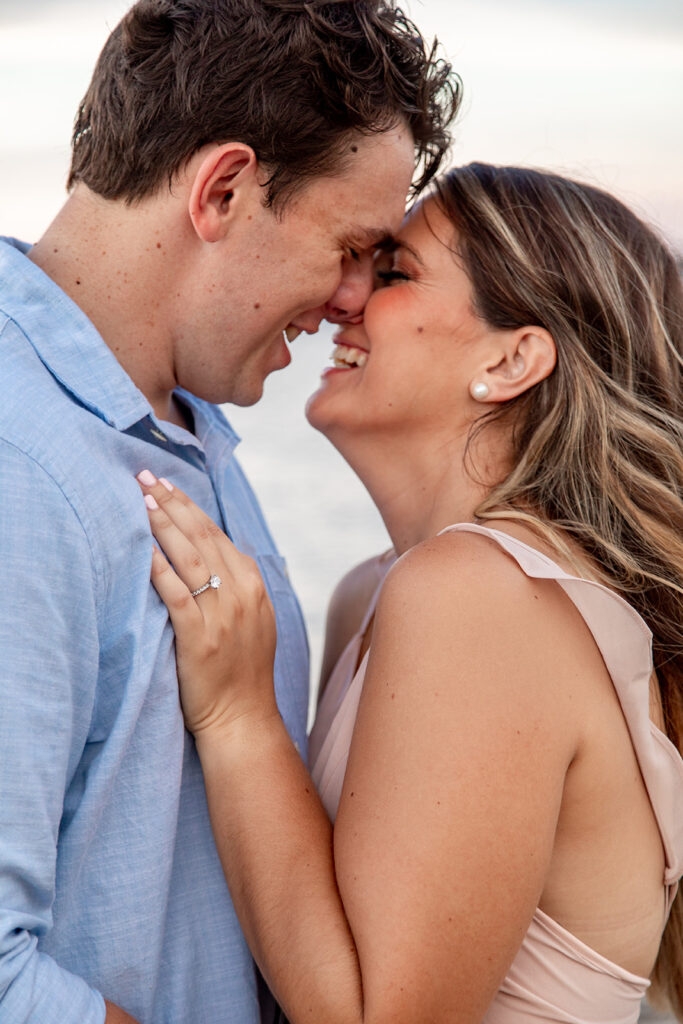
213	582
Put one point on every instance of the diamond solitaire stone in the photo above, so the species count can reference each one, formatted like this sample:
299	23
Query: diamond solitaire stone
213	583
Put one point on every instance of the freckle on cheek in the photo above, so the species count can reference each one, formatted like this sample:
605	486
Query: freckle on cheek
420	330
257	305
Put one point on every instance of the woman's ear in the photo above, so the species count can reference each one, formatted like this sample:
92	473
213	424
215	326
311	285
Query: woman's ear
225	176
525	357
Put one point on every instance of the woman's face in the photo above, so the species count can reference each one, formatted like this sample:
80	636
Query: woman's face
407	366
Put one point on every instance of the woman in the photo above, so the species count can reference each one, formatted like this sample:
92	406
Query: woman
507	789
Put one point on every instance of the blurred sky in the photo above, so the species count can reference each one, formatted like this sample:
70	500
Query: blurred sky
591	87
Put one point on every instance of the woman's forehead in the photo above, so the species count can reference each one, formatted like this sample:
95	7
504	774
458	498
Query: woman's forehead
426	232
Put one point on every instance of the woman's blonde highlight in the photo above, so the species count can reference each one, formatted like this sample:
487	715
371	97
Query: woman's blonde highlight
598	445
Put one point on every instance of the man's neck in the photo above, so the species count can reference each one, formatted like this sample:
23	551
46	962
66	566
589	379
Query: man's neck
116	263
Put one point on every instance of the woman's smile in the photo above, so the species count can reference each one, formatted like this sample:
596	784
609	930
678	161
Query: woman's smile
425	340
349	357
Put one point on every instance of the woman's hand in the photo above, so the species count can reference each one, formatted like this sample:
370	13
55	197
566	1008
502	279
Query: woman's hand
225	637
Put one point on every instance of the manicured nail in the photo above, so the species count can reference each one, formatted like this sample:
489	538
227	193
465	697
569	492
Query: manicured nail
150	501
147	478
167	483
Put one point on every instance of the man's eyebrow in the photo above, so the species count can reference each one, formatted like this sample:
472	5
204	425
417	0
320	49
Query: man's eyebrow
370	238
389	244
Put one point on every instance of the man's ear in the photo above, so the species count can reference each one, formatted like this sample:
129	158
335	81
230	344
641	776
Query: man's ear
225	175
527	355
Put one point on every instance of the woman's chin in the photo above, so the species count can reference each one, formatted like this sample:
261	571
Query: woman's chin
319	407
320	414
311	411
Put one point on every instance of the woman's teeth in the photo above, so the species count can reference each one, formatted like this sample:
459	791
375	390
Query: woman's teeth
345	356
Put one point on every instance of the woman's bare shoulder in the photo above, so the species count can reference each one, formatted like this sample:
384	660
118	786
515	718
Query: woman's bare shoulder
463	587
455	563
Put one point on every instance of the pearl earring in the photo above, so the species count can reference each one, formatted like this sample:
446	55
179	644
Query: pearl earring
479	391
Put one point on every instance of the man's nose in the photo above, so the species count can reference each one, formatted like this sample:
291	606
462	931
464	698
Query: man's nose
349	300
355	288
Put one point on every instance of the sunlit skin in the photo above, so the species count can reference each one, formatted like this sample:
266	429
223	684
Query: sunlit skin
491	772
194	286
269	271
402	420
420	312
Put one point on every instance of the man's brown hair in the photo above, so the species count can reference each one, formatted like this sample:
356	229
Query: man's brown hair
292	79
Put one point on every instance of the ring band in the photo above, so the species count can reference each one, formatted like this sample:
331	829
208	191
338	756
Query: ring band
213	582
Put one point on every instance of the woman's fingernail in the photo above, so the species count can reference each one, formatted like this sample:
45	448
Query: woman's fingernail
147	478
167	483
150	501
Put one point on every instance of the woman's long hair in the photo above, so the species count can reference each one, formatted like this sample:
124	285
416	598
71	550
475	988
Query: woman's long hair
598	445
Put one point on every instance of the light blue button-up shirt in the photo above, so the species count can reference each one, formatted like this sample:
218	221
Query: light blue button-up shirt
110	884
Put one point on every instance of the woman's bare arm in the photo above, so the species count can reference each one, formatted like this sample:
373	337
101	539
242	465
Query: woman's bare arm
417	905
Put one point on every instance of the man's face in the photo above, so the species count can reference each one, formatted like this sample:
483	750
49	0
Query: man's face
290	270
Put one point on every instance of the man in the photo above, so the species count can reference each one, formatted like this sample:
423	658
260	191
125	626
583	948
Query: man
234	161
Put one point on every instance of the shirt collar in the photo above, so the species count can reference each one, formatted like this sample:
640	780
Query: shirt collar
210	424
66	341
72	349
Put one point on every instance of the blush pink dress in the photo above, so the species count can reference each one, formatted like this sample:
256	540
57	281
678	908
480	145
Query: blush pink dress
554	977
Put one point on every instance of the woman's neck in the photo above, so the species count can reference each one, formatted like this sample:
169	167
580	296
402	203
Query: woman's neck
421	489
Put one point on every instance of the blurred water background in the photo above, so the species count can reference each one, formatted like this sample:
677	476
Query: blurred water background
588	87
320	513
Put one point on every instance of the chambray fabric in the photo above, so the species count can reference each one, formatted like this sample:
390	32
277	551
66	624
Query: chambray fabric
110	884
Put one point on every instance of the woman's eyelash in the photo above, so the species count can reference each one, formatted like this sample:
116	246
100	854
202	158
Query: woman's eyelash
392	275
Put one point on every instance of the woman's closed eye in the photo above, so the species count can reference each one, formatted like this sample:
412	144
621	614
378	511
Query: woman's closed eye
387	276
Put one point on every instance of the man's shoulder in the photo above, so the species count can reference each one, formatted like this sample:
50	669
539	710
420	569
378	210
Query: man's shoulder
29	311
37	414
59	462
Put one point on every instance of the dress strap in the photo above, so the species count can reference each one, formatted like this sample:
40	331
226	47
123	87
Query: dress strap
625	643
384	563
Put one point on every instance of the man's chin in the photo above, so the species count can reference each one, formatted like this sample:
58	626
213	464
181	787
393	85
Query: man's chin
241	393
250	398
243	399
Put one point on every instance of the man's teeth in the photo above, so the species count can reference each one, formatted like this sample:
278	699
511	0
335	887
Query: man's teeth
345	356
292	333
